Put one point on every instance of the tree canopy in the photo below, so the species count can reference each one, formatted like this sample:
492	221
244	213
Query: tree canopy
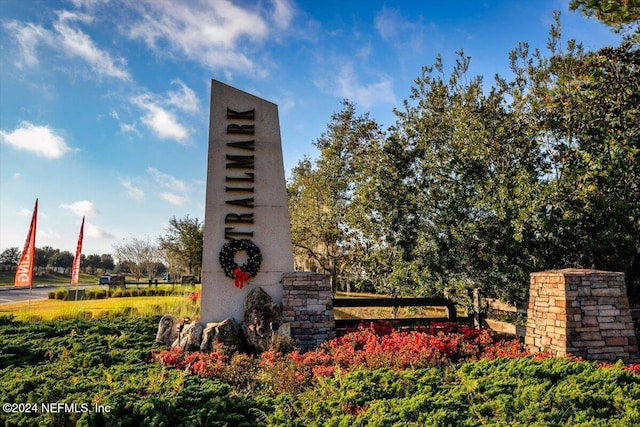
479	185
615	13
140	257
181	247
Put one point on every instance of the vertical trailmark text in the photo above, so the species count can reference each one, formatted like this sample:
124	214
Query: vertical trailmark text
239	181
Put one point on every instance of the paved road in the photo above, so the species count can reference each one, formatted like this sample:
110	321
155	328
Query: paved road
11	294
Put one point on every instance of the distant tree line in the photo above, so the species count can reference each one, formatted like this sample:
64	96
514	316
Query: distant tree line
479	185
48	257
178	252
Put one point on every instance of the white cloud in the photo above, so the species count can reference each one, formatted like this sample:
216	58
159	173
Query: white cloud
286	104
40	140
404	34
132	191
213	33
25	212
16	176
92	230
65	15
27	37
129	128
282	13
159	112
81	208
173	184
346	85
125	127
167	181
70	41
390	24
47	235
175	199
160	120
87	3
164	124
76	43
185	99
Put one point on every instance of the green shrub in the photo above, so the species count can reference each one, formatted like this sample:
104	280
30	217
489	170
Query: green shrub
110	362
60	293
514	392
95	293
107	362
51	295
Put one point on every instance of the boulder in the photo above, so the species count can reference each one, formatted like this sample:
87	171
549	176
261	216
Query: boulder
190	337
226	332
262	317
168	329
284	330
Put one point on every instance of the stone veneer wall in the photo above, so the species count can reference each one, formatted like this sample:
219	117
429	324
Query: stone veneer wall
307	305
581	312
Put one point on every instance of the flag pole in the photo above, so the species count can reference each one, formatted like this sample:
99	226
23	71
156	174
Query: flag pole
75	268
24	271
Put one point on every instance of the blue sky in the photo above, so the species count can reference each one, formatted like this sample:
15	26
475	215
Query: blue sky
104	103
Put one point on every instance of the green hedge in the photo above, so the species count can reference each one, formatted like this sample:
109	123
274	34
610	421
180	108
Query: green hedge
99	293
109	362
501	392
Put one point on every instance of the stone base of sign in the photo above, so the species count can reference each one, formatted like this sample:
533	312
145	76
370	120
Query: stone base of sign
306	319
581	312
307	306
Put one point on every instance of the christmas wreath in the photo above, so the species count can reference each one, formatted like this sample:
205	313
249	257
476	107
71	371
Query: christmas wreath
240	272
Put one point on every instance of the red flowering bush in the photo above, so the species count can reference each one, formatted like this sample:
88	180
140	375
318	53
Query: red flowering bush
634	368
198	363
369	347
194	296
383	347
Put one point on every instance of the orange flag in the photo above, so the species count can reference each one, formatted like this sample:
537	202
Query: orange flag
24	272
75	270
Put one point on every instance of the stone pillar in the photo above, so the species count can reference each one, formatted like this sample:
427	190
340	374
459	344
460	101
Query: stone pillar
246	200
307	305
581	312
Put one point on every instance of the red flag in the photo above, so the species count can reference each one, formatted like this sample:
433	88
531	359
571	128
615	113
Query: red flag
24	272
75	270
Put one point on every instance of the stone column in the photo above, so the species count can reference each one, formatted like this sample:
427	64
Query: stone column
581	312
307	305
246	200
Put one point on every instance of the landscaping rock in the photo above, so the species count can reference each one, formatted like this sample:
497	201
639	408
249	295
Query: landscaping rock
190	337
168	329
262	316
226	332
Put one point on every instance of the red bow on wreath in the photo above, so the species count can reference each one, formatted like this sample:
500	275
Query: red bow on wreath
240	276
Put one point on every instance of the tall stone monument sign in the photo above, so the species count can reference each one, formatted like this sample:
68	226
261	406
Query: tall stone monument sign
247	237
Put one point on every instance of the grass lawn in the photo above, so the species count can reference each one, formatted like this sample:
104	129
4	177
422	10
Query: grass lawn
382	312
51	309
178	306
